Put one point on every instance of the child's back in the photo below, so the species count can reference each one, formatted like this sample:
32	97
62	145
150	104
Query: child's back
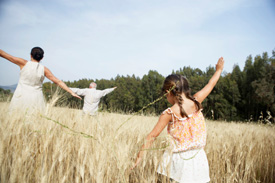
188	105
186	125
187	132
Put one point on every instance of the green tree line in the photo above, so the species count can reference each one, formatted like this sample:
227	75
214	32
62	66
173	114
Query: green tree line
240	95
5	95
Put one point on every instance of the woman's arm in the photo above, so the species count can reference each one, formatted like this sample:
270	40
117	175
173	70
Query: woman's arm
203	93
60	83
161	124
18	61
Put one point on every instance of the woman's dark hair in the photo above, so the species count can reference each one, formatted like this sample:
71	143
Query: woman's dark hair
179	85
37	53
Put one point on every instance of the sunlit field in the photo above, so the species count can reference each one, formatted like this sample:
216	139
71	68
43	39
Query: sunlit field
34	148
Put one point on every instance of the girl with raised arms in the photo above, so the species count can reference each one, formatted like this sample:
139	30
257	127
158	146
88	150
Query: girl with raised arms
187	163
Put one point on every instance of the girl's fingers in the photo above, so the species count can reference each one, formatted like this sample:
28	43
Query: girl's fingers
220	63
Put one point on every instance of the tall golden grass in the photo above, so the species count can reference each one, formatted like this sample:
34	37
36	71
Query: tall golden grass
35	149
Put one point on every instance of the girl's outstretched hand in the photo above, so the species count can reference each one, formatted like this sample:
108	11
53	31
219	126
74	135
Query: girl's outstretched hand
136	163
220	63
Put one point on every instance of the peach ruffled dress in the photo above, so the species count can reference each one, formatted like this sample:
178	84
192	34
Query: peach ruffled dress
187	162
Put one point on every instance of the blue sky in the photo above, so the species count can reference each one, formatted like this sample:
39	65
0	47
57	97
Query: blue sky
101	39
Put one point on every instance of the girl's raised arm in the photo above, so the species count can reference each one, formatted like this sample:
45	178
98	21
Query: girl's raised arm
203	93
60	83
18	61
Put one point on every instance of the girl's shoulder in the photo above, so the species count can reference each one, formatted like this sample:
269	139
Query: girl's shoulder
167	111
173	109
170	111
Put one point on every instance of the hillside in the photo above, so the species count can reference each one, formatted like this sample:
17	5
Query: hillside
11	87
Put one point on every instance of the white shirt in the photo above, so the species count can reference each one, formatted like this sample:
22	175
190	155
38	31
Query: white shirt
91	98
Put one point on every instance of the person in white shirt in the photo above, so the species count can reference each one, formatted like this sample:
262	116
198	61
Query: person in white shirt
91	97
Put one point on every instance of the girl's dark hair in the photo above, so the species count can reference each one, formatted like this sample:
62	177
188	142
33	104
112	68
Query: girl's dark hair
37	53
179	85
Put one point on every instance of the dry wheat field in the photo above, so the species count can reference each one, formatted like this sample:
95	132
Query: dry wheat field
34	148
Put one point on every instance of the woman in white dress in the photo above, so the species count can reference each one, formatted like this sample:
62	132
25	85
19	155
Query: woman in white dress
28	94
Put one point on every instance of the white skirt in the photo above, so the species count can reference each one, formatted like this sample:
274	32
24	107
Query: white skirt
185	167
27	99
